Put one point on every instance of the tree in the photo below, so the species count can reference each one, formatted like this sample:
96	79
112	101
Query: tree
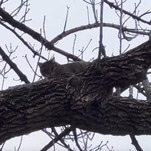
90	100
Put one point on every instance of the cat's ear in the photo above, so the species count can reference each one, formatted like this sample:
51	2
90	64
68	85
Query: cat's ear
40	64
53	59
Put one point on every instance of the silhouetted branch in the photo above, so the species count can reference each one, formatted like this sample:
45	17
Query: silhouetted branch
13	66
23	41
96	25
138	18
76	139
135	143
57	138
9	19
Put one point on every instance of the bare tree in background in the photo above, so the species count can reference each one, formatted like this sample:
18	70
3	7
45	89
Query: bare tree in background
87	102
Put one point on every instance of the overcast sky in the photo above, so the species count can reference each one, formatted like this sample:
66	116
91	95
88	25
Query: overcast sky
55	12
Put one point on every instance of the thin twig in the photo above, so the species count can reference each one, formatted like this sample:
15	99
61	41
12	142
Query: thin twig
101	47
75	37
21	140
120	31
88	15
23	41
111	4
94	10
65	24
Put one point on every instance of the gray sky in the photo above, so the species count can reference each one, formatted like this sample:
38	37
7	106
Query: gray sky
55	12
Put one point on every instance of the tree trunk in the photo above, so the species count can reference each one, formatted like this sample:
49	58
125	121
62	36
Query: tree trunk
84	101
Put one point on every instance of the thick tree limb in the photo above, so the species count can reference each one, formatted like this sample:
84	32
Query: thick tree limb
83	101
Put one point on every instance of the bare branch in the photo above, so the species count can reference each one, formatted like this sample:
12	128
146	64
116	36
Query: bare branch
65	24
88	15
94	10
23	41
2	2
76	140
57	138
121	25
84	49
13	66
135	143
101	46
34	34
111	4
75	36
96	25
21	140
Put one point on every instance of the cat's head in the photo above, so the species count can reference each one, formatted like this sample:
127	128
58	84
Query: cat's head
47	68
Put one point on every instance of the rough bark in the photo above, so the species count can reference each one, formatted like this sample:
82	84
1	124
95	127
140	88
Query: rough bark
84	101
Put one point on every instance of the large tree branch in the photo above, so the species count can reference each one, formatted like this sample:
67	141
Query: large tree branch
84	101
27	108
